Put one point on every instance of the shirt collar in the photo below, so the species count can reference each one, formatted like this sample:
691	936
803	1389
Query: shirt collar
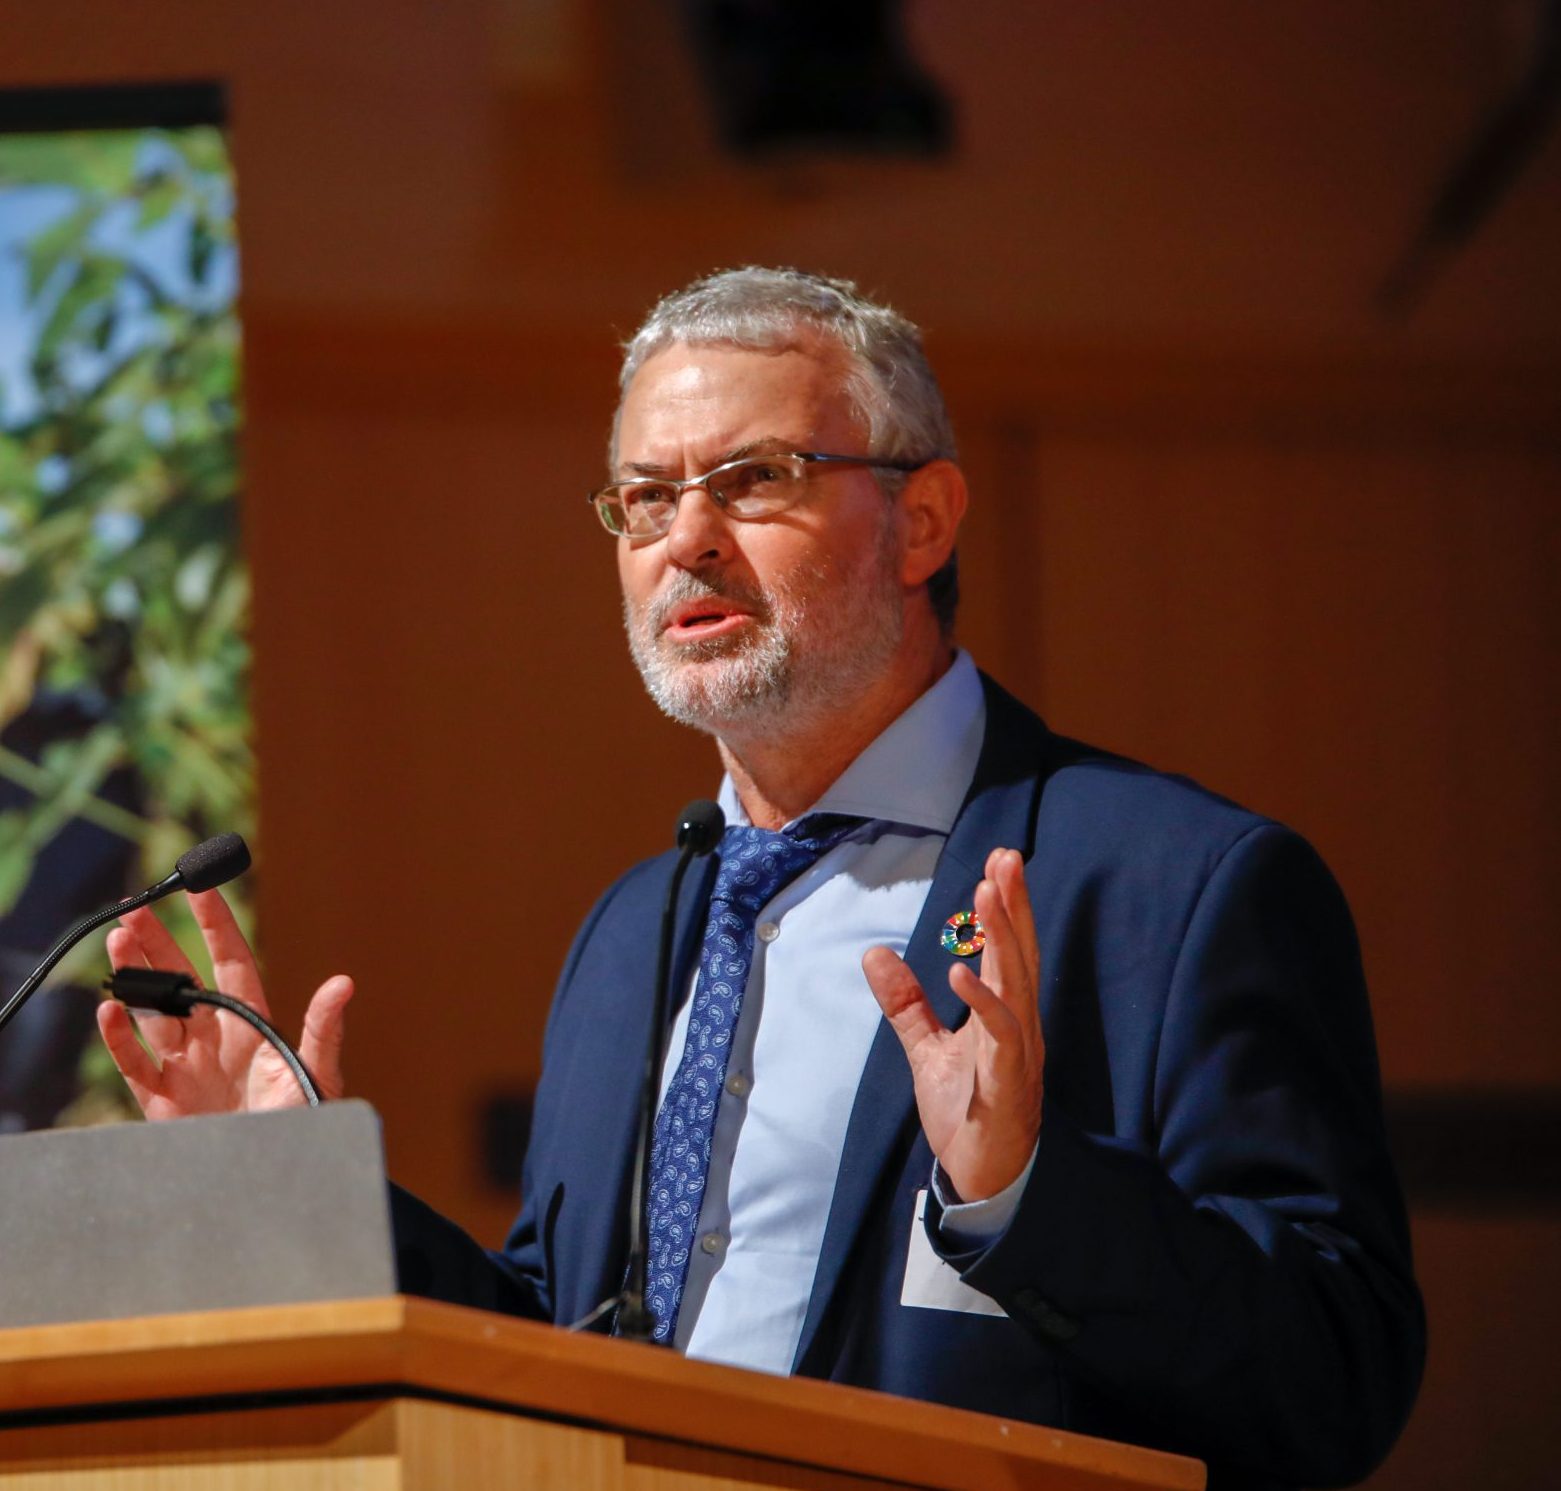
918	770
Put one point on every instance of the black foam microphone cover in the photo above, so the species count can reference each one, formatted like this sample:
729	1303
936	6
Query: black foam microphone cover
213	862
700	826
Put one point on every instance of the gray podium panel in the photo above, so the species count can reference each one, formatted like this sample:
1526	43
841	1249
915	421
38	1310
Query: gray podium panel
196	1214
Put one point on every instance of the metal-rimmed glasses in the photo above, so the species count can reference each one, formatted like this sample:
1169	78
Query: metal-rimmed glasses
643	507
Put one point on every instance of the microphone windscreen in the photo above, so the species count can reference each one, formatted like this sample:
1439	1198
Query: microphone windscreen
700	826
213	862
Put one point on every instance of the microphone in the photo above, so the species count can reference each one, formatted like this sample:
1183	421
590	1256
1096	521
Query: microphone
700	826
209	864
212	862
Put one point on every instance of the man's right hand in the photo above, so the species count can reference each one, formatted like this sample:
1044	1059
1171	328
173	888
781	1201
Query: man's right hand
209	1061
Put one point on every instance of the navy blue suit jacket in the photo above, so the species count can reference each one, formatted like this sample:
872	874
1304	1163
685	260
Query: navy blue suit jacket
1211	1253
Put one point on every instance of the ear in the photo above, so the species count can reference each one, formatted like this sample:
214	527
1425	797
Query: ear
932	503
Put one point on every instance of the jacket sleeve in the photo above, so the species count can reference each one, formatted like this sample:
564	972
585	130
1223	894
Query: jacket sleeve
1241	1275
436	1259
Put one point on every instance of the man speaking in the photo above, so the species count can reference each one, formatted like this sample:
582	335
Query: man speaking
1005	1073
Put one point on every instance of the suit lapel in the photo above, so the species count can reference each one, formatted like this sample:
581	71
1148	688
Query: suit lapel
998	810
617	1043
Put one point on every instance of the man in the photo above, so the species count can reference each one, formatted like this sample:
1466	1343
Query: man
1161	1209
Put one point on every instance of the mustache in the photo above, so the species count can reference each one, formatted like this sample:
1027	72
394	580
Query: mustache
685	587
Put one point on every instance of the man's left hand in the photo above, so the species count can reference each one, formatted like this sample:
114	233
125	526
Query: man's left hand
978	1088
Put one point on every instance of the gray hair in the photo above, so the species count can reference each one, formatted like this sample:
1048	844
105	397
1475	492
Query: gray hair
891	385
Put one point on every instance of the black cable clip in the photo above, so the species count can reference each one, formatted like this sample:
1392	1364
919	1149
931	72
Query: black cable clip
177	994
153	989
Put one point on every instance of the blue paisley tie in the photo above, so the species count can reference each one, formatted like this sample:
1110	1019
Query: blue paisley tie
755	865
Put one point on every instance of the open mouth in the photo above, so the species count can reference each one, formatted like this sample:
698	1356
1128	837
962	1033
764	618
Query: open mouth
700	621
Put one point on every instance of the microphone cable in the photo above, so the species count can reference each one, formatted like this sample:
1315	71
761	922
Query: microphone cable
177	994
699	830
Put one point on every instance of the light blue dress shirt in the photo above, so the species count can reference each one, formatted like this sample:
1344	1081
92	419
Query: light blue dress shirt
808	1019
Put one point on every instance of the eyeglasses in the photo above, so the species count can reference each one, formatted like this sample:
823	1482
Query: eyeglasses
753	487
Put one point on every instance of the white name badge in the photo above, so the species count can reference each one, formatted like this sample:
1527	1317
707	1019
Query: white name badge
932	1284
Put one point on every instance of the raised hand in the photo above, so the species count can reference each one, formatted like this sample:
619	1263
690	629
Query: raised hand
978	1088
211	1062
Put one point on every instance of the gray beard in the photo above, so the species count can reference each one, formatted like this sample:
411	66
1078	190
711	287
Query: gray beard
723	683
779	673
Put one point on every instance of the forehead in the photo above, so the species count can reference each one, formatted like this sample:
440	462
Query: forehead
700	402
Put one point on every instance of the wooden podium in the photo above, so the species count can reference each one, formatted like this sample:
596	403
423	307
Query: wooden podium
404	1393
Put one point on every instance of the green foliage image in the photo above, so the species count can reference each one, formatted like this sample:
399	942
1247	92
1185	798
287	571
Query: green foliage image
121	579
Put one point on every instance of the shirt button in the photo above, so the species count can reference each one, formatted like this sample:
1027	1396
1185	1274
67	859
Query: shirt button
738	1084
768	931
710	1242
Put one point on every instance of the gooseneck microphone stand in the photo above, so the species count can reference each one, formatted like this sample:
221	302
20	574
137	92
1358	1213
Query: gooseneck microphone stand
700	826
209	864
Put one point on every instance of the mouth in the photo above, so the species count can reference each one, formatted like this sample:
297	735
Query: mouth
705	619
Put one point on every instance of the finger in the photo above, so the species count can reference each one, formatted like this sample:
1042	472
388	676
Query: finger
135	1063
154	943
901	998
128	947
232	962
985	1004
1003	966
324	1031
124	949
1009	874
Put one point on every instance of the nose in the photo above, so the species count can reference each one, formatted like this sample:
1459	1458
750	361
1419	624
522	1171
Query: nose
701	532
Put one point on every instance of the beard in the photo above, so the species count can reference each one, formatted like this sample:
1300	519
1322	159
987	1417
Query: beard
819	638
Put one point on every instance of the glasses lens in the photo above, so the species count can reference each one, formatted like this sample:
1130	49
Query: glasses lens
759	485
609	511
638	508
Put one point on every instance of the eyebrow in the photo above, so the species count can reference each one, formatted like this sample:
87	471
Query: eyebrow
764	445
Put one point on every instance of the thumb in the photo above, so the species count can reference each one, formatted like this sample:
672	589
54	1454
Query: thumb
324	1032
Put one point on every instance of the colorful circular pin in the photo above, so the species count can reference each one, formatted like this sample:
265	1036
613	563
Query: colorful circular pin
963	935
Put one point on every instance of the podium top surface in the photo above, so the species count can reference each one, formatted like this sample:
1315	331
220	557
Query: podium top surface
417	1346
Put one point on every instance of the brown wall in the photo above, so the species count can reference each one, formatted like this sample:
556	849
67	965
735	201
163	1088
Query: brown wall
1227	518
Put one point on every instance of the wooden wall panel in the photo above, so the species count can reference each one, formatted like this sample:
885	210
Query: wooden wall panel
457	756
1486	1412
1352	637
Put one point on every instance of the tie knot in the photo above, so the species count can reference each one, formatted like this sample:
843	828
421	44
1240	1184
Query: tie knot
757	862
